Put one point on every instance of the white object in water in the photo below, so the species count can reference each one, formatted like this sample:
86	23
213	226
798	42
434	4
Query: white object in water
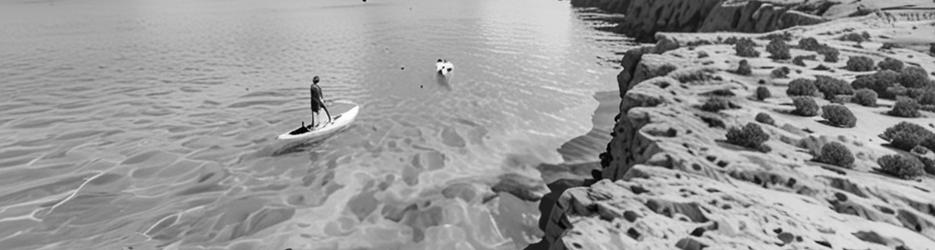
338	123
444	67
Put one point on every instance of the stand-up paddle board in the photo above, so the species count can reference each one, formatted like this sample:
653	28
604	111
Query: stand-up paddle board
338	123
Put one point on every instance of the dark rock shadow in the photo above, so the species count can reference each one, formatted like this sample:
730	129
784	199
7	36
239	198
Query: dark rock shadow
826	166
549	200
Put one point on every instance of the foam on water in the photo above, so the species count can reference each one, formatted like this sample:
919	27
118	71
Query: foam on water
151	124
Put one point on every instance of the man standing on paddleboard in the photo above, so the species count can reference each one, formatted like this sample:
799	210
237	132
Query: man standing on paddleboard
316	101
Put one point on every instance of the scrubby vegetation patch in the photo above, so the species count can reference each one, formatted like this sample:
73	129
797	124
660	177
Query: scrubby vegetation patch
838	115
859	64
750	136
805	106
746	48
865	97
905	167
837	154
802	87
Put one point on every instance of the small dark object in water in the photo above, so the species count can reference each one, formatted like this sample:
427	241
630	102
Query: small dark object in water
402	68
420	86
365	1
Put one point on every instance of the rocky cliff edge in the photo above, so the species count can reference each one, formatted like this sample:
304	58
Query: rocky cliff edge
643	18
670	181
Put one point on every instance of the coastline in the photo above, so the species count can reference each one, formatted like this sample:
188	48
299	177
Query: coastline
581	164
635	199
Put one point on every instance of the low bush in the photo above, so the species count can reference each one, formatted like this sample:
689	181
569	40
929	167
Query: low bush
730	40
905	107
889	46
750	136
915	93
765	118
830	87
879	82
855	37
746	48
898	91
928	143
838	116
859	64
785	36
865	97
926	157
842	99
906	135
905	167
715	104
800	60
762	93
891	64
915	77
781	72
802	87
743	68
837	154
778	49
927	97
912	93
830	54
809	43
928	107
804	106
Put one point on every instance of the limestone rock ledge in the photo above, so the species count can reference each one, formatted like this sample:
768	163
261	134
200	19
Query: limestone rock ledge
670	181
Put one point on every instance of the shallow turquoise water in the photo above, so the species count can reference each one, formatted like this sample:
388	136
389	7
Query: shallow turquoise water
151	124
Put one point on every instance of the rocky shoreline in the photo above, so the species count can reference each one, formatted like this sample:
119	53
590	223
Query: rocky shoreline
643	18
669	179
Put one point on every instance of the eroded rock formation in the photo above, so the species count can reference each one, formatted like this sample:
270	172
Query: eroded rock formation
646	17
669	179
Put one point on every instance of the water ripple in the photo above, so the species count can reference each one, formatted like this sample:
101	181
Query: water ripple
151	124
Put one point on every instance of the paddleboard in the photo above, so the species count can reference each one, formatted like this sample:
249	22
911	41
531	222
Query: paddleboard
338	123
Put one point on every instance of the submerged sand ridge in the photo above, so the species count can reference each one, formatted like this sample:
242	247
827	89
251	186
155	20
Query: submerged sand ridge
670	180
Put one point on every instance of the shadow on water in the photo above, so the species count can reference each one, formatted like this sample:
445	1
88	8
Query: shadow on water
442	81
296	147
